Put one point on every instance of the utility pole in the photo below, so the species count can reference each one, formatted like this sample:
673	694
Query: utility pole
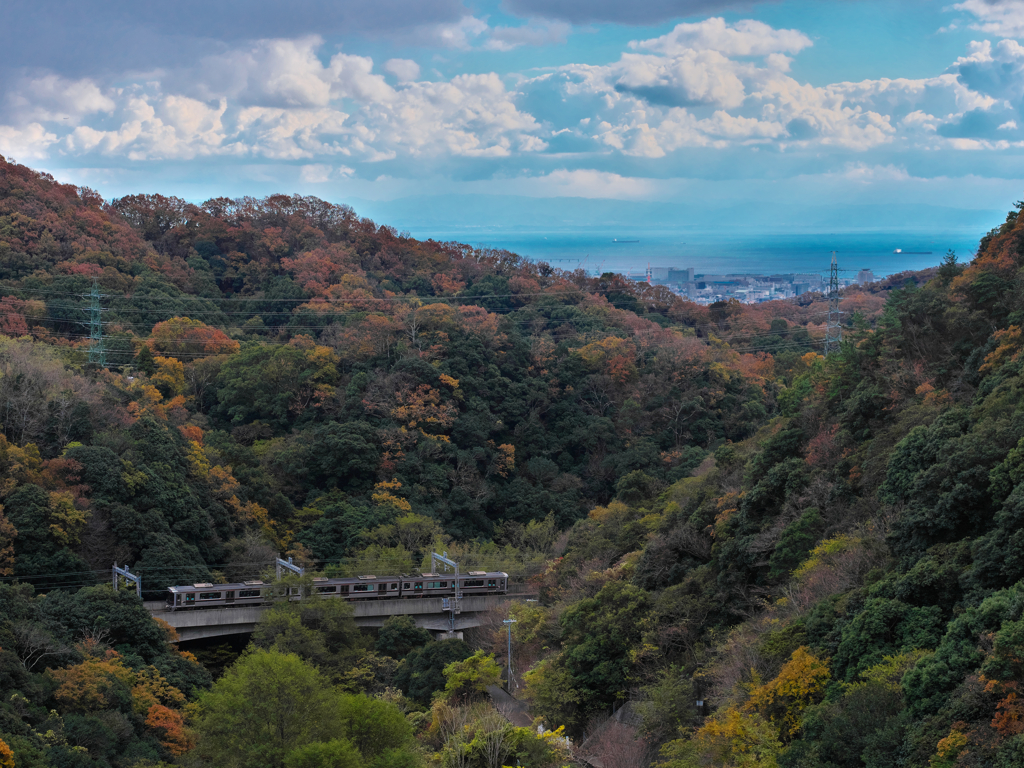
508	623
97	351
834	331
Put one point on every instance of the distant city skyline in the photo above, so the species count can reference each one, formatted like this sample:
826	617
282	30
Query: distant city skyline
702	104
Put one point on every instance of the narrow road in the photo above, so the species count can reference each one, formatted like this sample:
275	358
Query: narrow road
515	711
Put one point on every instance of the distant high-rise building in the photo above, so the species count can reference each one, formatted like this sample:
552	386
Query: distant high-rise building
689	274
865	276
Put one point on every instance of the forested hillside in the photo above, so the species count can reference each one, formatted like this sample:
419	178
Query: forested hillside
824	551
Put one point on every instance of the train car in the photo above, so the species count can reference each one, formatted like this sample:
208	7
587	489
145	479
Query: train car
204	595
358	587
443	585
369	587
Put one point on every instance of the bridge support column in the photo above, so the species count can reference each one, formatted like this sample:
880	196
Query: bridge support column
445	634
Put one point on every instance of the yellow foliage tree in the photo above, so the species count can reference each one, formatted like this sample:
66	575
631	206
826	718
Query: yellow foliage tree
169	377
66	520
383	496
6	755
730	739
151	688
800	683
505	460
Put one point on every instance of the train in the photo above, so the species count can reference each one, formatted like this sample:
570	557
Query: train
404	587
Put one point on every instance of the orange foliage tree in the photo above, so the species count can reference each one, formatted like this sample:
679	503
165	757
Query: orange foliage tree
183	337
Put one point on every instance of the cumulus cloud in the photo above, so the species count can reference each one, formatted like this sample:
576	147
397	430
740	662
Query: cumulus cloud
172	127
717	84
278	100
690	78
283	74
315	173
584	182
30	142
994	71
459	35
52	97
405	70
1003	18
744	38
712	84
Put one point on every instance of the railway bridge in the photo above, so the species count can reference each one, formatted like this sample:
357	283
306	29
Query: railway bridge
429	613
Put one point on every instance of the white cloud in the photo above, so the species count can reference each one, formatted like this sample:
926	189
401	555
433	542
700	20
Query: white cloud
293	134
583	183
460	35
711	85
995	71
693	95
283	74
315	173
405	70
171	127
744	38
535	32
31	142
688	79
867	174
1003	18
53	98
737	127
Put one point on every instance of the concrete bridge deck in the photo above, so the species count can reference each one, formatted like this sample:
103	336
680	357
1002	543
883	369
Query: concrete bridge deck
197	624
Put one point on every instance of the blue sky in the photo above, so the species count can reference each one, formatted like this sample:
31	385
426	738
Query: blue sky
700	103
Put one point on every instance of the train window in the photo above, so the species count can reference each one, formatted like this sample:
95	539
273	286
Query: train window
362	587
326	589
407	585
473	583
394	586
209	595
248	593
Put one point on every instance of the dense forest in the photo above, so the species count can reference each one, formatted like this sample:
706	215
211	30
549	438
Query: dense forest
824	552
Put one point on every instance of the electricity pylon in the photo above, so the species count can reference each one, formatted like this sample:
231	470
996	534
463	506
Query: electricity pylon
97	350
834	330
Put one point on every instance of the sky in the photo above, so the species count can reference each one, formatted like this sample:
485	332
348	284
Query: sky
685	109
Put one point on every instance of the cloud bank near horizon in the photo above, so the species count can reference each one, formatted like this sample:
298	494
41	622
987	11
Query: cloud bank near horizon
711	99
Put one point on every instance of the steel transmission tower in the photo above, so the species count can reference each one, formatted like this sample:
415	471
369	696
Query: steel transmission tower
97	351
834	331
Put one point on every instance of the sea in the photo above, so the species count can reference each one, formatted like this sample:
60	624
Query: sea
884	253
